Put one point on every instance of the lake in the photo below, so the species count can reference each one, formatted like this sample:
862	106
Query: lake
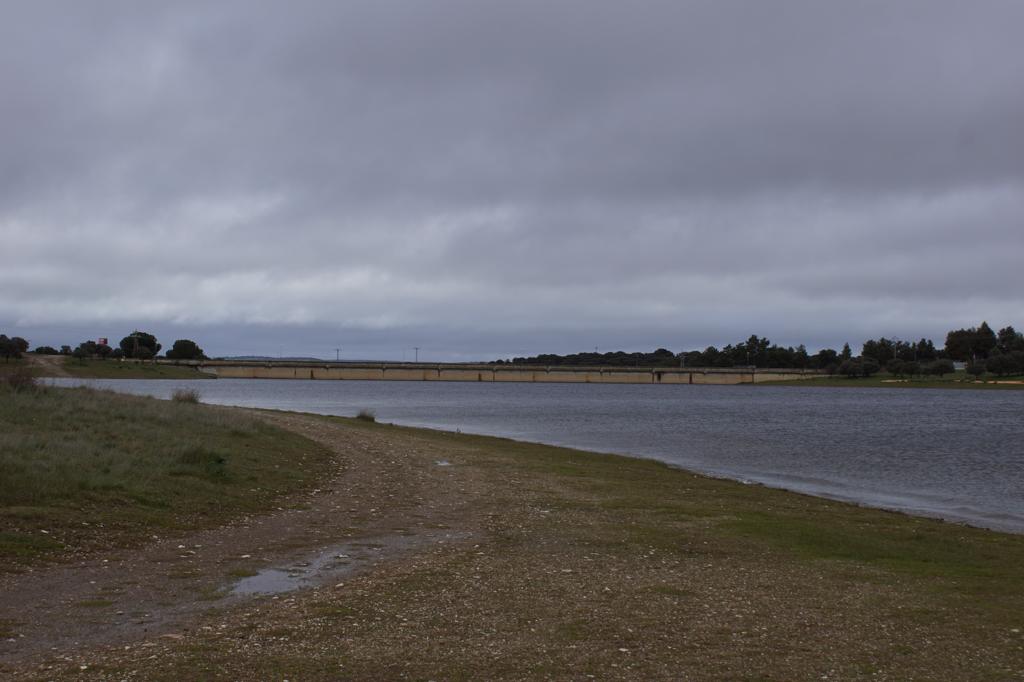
954	454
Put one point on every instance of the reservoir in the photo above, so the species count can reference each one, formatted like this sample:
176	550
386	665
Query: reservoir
954	454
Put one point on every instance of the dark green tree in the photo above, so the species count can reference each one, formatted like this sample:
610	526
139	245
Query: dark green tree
924	351
881	351
133	344
186	349
1009	340
12	347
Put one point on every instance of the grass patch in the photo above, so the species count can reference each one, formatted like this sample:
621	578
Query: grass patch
9	367
114	369
242	573
957	380
99	469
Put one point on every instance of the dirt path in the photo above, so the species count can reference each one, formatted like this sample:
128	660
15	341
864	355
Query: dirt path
383	502
49	365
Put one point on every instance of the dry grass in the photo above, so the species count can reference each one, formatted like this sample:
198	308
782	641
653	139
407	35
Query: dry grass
185	395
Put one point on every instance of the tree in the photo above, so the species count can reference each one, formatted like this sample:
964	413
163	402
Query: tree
924	351
1009	340
985	340
823	358
133	344
12	347
958	344
186	349
45	350
970	344
881	351
847	353
6	348
896	367
65	350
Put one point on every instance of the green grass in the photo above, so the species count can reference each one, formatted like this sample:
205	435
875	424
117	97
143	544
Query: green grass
957	380
83	468
114	369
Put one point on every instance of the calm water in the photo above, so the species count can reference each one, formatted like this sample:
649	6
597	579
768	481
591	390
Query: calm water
954	454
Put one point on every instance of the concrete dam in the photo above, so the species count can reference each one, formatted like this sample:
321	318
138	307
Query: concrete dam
386	371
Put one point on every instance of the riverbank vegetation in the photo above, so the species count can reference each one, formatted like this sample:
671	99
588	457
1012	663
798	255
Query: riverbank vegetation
83	469
982	350
128	369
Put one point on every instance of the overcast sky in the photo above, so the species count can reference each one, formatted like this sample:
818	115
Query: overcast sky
487	179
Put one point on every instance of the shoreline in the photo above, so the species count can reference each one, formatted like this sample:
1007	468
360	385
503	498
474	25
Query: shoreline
741	479
909	503
551	563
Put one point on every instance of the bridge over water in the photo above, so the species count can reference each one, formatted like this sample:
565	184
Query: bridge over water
409	371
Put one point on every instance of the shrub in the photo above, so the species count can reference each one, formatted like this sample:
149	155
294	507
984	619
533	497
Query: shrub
21	380
1006	363
859	367
976	368
367	415
939	367
185	395
46	350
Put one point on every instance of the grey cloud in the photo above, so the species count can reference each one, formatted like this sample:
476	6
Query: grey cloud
533	175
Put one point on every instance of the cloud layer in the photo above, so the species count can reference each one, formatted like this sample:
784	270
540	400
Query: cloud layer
493	178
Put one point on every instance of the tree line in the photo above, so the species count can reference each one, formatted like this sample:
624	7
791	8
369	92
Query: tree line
982	349
138	345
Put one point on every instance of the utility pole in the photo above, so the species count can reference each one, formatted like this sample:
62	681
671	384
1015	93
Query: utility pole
417	349
337	354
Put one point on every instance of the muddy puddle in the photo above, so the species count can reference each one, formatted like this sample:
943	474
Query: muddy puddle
332	564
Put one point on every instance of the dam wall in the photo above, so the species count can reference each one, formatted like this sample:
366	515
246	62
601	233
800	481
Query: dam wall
342	371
